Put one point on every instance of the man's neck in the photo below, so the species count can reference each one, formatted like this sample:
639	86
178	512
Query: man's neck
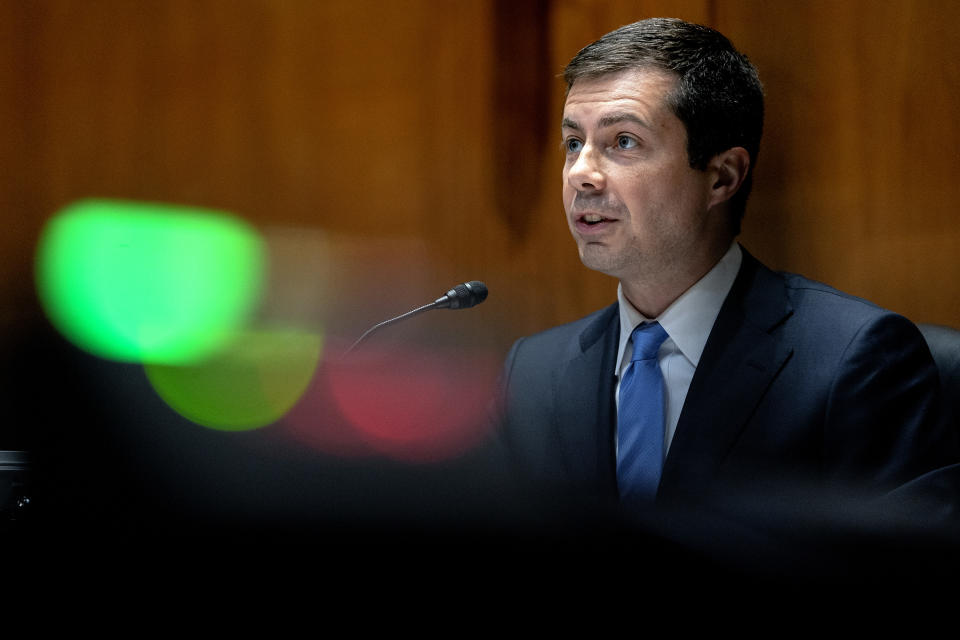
652	293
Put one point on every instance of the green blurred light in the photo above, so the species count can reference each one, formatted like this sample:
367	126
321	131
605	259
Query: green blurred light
148	282
251	383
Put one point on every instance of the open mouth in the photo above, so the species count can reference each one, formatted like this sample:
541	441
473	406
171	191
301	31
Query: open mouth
591	219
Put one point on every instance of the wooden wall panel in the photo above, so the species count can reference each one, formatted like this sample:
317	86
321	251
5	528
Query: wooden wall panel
371	141
349	123
856	182
17	165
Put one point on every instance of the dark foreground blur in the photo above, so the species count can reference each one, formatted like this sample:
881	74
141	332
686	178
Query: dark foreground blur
96	465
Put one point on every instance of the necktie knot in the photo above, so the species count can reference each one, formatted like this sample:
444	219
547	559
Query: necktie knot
647	338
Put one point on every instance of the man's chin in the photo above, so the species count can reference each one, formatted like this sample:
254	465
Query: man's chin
601	260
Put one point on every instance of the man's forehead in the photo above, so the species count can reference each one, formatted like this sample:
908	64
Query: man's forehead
625	91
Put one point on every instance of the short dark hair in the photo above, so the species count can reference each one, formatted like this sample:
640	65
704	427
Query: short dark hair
718	96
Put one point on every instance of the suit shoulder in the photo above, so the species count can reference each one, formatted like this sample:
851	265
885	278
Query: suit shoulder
590	326
833	315
799	285
808	294
560	343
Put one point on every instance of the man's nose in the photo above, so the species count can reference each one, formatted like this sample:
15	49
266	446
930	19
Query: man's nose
586	172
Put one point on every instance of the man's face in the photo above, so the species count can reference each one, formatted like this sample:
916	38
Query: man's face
636	208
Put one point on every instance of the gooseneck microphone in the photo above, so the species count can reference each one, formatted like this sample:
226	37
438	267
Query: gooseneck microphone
462	296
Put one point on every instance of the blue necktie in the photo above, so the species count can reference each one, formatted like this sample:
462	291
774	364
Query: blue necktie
640	423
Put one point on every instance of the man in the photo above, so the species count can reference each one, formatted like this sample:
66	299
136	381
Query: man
765	386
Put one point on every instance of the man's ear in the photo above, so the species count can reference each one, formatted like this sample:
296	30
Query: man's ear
730	169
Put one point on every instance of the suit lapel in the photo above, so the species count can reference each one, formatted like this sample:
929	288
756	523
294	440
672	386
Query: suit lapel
740	360
585	405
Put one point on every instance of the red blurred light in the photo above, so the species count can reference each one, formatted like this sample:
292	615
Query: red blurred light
407	403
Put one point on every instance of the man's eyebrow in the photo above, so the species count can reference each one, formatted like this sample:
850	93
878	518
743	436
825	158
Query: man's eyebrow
608	121
617	118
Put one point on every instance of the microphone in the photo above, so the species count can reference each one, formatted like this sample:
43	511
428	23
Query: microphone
462	296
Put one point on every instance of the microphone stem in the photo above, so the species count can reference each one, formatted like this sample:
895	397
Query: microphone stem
406	315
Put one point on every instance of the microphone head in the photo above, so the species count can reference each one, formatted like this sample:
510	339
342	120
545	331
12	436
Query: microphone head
464	296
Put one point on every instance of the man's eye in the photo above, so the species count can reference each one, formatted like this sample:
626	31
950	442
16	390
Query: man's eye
573	145
626	142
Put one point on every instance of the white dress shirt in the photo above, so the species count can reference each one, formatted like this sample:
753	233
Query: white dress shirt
688	322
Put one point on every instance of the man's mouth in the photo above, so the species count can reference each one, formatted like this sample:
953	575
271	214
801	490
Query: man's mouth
592	219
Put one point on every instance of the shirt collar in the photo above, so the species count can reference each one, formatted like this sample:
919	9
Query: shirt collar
689	319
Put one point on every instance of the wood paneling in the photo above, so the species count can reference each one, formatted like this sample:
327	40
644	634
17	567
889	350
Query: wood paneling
856	182
360	123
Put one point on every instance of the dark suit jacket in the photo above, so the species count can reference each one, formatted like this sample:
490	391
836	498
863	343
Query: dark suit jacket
799	387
